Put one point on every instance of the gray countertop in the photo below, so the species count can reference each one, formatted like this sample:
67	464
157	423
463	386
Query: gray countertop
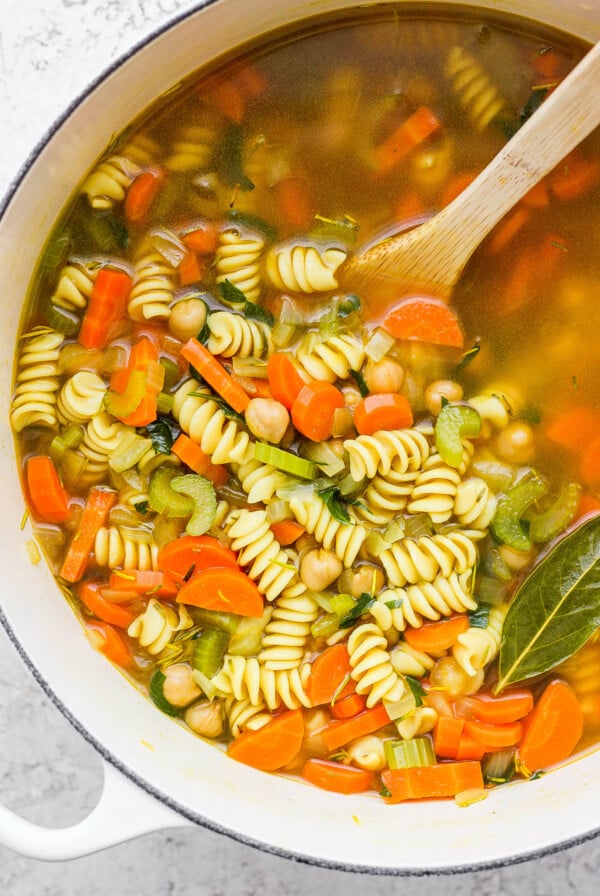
49	51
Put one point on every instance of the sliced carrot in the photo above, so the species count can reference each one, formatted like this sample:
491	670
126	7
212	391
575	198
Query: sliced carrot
50	500
425	319
434	637
531	272
538	196
193	553
574	177
510	706
494	736
590	463
202	239
191	454
254	386
337	778
153	582
228	98
284	379
431	781
412	132
588	504
470	749
190	270
548	63
140	381
388	410
107	306
105	638
142	193
446	736
215	375
96	509
508	228
295	203
218	474
287	531
339	733
349	707
574	428
327	673
90	595
456	186
314	408
141	353
273	746
223	589
252	80
553	729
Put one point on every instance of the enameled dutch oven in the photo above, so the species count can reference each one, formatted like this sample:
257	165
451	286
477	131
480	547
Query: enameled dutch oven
156	774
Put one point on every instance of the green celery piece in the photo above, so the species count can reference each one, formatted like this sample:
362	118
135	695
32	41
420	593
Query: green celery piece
202	492
506	525
124	404
72	437
455	422
163	499
209	650
129	452
342	604
413	753
155	690
60	319
546	526
285	460
325	626
227	622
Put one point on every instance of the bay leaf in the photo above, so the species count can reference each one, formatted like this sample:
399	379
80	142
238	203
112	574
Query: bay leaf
555	610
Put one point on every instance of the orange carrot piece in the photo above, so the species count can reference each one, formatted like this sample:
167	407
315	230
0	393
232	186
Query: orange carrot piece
574	177
470	749
142	193
191	454
548	64
339	733
287	531
105	638
314	408
456	186
95	512
412	132
295	202
327	673
446	736
431	781
252	80
223	589
141	354
433	637
107	306
553	729
388	410
194	552
425	319
50	500
284	379
215	375
273	746
91	596
202	239
532	270
349	707
254	386
574	428
590	463
228	98
154	582
588	504
508	228
538	196
510	706
494	737
189	270
337	778
218	474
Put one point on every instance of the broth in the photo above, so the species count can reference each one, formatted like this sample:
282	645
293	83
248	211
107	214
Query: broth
185	306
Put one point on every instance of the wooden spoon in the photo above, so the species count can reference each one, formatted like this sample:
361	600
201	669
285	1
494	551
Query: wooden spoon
429	258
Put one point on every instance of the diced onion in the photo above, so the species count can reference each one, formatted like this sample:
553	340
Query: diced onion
379	345
169	245
277	511
342	423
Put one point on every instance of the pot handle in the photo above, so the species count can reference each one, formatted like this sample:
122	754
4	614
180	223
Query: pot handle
123	812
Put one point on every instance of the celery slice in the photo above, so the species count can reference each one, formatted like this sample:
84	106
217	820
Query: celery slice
506	525
455	422
413	753
379	345
209	650
163	499
401	708
324	456
164	403
284	460
227	622
325	626
202	492
129	451
546	526
155	690
342	604
72	437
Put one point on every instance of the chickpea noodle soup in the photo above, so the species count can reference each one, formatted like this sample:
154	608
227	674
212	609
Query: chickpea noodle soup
348	540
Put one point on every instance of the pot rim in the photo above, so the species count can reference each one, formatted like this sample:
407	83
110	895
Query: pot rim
105	753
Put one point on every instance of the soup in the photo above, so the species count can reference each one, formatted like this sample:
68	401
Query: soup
311	525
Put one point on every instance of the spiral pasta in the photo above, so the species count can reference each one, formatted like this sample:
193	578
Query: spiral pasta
75	283
386	497
244	716
153	288
115	548
480	99
206	424
372	669
474	503
406	660
246	679
260	481
155	627
285	635
434	490
80	397
399	449
102	435
430	600
258	549
417	723
477	647
194	148
233	334
34	399
238	260
424	558
108	182
329	359
344	539
305	269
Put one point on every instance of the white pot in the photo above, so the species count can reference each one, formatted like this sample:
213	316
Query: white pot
177	778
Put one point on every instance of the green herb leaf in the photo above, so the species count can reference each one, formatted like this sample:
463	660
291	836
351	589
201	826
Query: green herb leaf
364	602
204	334
348	306
394	604
141	507
480	617
155	690
384	791
344	229
231	159
257	312
417	689
555	610
534	101
226	408
230	294
254	222
332	497
360	382
161	433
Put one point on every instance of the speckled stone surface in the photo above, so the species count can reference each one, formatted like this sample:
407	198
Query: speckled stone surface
49	51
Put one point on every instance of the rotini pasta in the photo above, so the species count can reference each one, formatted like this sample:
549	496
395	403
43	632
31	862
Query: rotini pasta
329	359
430	600
386	497
238	261
372	669
155	627
34	400
406	660
246	679
116	548
233	334
260	481
194	148
418	723
423	559
75	283
477	647
434	490
480	99
206	424
269	565
108	183
304	269
102	435
474	503
288	630
345	540
80	397
153	288
244	716
400	450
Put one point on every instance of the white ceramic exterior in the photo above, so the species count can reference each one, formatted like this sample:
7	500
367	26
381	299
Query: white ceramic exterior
196	780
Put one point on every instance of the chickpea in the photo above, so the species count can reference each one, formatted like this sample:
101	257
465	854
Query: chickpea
188	316
368	753
383	376
267	419
439	389
179	687
319	568
452	678
366	579
515	443
516	561
205	718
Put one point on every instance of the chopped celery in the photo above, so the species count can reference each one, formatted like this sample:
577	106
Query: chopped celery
163	499
418	524
546	526
490	591
56	252
155	690
164	403
246	639
325	626
172	372
395	530
379	345
349	487
202	492
227	622
73	464
277	511
209	649
324	456
124	404
499	767
343	229
129	451
342	604
323	599
413	753
72	437
304	491
60	319
507	525
455	422
284	460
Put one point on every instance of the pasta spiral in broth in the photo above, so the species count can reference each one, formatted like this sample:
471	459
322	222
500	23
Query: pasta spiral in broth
371	665
329	359
74	287
232	334
153	289
37	384
108	183
80	397
345	540
116	548
259	550
202	419
304	269
238	261
399	450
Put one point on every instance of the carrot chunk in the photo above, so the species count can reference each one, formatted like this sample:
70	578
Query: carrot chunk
553	729
431	781
339	733
327	674
95	512
49	499
223	589
273	746
424	319
382	411
314	408
433	637
337	778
